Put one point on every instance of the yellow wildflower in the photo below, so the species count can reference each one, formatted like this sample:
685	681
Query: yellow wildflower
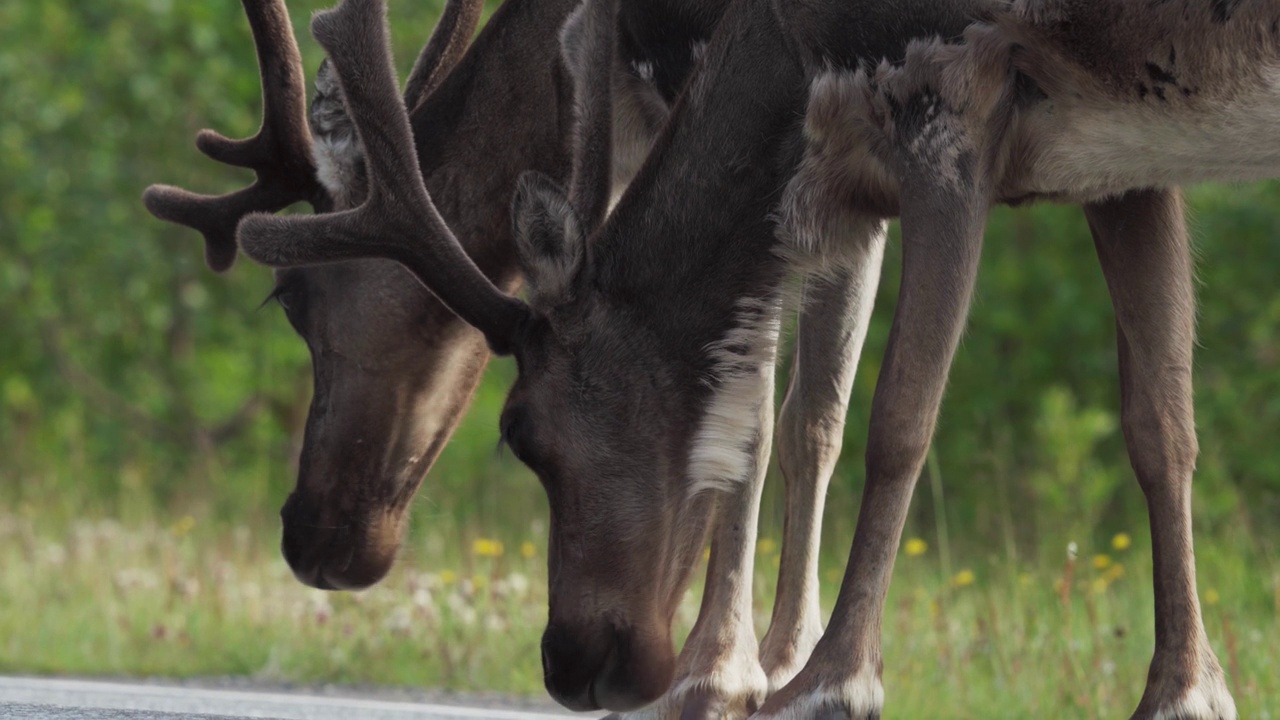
1121	541
1211	597
1114	573
527	549
1098	586
1102	561
964	578
766	545
915	547
183	527
448	577
484	547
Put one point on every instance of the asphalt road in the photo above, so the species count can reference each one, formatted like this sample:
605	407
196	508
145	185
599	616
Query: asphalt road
44	699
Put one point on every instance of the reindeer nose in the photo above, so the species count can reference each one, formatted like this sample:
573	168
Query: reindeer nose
638	671
570	662
587	669
332	555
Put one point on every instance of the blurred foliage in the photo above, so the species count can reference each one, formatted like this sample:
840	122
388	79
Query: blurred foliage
134	381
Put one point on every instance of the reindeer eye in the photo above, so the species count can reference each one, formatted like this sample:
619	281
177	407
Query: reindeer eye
287	296
291	298
281	294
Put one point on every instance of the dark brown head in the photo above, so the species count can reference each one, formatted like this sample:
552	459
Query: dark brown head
394	370
601	412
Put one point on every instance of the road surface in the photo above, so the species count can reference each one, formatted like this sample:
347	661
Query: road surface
49	699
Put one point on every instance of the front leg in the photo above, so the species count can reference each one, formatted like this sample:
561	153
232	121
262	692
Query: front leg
936	146
942	229
835	311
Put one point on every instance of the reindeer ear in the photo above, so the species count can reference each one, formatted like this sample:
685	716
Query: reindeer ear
550	239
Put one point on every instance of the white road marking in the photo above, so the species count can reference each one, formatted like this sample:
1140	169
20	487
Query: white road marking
236	703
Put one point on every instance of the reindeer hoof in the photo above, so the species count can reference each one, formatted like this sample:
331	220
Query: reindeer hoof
809	696
1167	696
824	712
834	713
706	704
698	702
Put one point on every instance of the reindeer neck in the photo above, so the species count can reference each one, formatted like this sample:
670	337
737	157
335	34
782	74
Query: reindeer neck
693	237
505	109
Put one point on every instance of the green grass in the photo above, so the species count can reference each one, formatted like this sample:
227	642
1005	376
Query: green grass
990	639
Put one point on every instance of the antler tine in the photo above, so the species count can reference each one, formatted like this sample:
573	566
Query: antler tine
447	45
591	183
398	211
280	153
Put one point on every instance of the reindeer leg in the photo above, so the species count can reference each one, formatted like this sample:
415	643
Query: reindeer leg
833	323
819	230
1142	244
944	202
942	226
718	674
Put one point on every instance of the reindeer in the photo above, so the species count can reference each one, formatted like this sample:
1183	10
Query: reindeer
393	369
377	337
1108	104
645	355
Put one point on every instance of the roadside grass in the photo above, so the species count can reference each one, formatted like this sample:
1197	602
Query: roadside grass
1060	637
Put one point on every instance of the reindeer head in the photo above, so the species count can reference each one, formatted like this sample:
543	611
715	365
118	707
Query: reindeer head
596	415
606	414
393	368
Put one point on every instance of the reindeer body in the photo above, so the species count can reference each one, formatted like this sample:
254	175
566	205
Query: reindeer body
1106	103
1175	93
1077	100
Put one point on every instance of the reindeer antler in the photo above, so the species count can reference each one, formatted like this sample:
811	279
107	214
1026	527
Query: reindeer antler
587	44
448	43
397	220
280	153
